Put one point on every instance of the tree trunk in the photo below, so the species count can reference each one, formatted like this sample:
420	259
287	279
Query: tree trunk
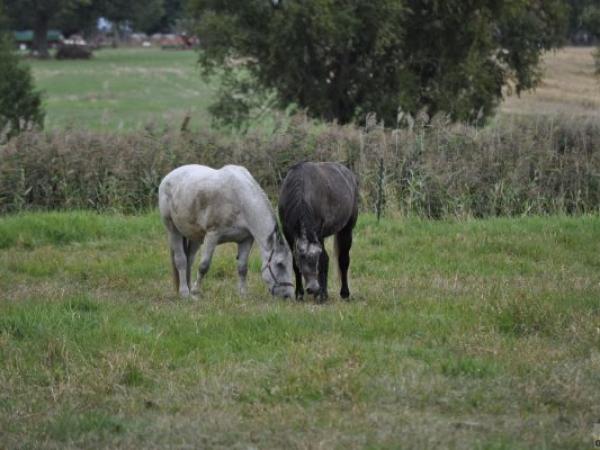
40	36
116	42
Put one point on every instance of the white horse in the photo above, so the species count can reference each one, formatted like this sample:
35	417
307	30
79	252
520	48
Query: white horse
201	206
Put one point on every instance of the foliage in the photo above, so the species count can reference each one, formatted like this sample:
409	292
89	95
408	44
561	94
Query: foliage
82	18
20	104
140	14
579	17
40	15
517	167
4	24
81	15
341	60
71	51
591	19
173	14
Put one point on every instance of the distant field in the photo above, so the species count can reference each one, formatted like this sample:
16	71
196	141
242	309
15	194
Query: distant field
570	87
123	89
463	335
129	88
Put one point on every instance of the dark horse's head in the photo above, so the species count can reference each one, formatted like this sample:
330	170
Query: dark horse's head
307	253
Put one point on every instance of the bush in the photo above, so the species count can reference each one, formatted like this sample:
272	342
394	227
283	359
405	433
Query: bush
73	52
20	105
518	167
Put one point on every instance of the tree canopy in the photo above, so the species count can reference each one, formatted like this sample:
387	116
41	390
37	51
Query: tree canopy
340	59
141	14
81	15
41	15
583	17
20	104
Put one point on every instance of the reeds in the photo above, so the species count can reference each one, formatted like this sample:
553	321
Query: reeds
518	166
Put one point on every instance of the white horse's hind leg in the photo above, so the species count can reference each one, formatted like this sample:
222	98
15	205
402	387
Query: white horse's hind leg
180	261
208	248
244	248
191	255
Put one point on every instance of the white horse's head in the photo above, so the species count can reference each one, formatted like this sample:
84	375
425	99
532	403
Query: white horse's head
277	268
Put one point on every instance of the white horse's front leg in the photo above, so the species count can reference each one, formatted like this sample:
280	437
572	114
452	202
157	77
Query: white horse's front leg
208	248
244	248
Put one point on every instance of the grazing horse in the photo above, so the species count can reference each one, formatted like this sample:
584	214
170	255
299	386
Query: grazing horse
317	200
205	207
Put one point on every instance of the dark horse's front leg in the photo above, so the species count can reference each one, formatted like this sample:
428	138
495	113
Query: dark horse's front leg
323	273
343	244
299	287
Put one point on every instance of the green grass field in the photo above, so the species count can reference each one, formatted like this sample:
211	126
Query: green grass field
467	335
123	89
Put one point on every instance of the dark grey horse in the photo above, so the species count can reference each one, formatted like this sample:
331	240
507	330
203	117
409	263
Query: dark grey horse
318	200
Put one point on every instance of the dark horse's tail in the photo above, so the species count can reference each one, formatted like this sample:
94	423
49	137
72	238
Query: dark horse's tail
344	235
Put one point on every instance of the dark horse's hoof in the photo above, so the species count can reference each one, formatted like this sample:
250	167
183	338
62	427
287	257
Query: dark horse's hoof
321	298
345	295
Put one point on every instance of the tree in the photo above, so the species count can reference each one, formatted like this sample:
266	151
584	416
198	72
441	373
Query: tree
173	12
139	14
82	18
581	18
40	15
591	19
340	59
20	104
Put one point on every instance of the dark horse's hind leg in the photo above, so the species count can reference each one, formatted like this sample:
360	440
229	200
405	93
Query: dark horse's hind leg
299	287
323	273
344	242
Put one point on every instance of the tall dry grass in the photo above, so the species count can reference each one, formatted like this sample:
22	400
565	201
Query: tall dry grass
570	86
519	166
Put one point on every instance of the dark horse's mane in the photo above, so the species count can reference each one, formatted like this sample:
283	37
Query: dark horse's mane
297	214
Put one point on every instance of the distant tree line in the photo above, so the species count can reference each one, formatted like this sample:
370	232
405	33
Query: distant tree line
584	20
341	59
82	15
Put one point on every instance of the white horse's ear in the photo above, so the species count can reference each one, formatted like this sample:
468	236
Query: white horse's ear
273	238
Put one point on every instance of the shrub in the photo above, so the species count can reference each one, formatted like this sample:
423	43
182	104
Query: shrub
517	167
20	104
73	52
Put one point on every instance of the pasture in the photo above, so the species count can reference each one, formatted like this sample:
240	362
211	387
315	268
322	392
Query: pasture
460	334
126	89
569	87
123	89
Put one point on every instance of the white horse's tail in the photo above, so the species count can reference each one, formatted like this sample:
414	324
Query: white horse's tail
186	249
187	245
175	271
